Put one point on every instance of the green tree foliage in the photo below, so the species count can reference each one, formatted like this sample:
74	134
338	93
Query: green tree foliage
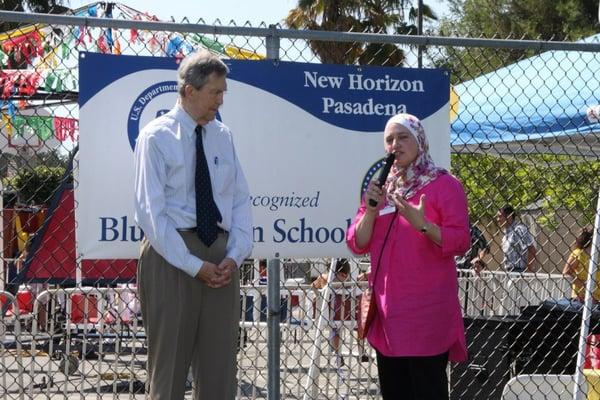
528	19
555	181
518	19
372	16
36	186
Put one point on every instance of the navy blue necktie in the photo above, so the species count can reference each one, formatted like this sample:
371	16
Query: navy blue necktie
207	213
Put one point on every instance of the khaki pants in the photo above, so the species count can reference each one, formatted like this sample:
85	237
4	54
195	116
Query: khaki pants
189	324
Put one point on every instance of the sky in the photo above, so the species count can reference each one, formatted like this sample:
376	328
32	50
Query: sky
240	11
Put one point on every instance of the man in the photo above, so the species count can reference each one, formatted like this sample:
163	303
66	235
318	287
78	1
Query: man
192	202
518	245
473	258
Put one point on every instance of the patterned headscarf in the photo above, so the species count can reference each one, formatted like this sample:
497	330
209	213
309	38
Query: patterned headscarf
406	181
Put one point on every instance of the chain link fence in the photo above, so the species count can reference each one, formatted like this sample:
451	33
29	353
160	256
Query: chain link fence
521	112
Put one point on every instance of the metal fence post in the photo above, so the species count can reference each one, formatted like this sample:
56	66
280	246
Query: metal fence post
273	43
587	309
273	280
420	33
273	329
2	231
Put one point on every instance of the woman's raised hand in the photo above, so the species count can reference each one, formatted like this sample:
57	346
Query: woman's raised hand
414	214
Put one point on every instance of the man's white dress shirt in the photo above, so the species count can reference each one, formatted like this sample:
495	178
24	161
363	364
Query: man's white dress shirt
165	196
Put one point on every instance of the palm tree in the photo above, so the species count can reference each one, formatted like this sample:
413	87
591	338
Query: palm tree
38	6
329	15
373	16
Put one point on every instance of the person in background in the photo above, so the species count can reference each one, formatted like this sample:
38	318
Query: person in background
473	258
577	266
418	224
193	204
518	245
341	274
262	272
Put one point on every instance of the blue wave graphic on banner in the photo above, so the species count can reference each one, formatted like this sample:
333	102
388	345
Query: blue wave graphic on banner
352	97
356	98
96	70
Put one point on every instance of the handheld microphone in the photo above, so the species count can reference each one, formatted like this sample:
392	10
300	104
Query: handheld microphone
389	160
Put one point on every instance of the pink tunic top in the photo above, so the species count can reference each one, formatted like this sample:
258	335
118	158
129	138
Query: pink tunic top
418	313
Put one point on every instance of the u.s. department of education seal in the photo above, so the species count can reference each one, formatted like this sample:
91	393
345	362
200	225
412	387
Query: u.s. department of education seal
146	103
371	172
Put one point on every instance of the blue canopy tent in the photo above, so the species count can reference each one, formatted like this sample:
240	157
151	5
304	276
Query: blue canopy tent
537	105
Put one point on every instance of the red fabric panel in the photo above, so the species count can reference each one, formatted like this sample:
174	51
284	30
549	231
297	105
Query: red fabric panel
109	269
55	257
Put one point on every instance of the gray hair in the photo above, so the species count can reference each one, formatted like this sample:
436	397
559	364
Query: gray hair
195	69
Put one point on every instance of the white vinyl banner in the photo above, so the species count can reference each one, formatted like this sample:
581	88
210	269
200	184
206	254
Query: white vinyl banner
308	136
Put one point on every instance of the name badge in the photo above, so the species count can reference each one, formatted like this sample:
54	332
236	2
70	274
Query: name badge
387	210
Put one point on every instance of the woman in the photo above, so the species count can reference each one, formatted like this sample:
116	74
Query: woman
420	223
577	266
